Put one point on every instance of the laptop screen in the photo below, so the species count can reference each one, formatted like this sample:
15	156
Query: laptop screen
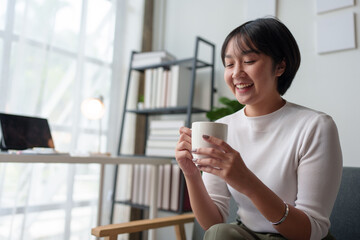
22	132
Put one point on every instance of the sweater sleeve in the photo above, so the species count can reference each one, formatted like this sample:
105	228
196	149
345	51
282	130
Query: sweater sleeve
319	174
219	193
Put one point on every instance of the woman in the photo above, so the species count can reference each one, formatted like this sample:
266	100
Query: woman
282	162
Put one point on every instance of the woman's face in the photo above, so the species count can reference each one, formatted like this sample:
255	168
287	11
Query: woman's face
252	78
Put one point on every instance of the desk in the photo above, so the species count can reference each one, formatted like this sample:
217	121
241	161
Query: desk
102	160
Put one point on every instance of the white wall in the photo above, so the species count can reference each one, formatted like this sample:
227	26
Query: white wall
328	82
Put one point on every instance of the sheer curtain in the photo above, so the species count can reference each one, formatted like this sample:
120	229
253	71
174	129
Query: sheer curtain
53	55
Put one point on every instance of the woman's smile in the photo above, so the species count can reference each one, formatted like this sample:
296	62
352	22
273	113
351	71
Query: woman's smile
243	87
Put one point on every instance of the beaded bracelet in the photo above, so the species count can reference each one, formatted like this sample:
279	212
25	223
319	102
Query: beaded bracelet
284	217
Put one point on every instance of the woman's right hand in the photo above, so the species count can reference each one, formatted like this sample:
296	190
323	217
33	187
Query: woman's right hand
183	153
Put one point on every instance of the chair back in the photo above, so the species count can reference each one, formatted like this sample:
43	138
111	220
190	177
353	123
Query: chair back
345	217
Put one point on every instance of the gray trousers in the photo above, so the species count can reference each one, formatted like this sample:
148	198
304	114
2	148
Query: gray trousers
238	231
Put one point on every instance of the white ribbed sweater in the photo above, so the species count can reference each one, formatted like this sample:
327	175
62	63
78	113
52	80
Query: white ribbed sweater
296	152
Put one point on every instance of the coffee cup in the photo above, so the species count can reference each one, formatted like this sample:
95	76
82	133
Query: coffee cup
198	129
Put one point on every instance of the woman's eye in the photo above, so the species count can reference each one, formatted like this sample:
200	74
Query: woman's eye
249	61
229	65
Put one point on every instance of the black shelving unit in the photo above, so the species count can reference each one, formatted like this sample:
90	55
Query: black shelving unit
193	64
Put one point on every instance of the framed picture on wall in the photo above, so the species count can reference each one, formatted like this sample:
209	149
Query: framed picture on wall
328	5
253	11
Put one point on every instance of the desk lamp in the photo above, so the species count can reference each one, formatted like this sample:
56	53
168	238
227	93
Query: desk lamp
93	108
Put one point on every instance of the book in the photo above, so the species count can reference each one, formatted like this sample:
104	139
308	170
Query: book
124	176
164	132
147	187
166	124
164	96
164	137
148	88
152	54
160	185
136	185
160	151
148	62
175	187
166	187
162	143
145	59
154	87
142	184
121	213
180	86
168	88
160	87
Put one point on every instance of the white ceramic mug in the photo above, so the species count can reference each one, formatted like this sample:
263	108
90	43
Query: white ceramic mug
218	130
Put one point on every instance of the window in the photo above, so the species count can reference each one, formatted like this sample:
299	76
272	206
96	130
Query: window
53	55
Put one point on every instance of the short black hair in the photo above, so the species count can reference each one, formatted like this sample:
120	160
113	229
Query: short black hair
273	38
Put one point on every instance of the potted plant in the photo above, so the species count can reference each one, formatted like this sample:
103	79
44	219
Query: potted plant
230	106
140	104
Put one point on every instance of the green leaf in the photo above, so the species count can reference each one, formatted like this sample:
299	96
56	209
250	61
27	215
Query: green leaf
231	106
215	114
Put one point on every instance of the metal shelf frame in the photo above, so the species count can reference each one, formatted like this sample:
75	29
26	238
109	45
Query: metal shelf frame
193	63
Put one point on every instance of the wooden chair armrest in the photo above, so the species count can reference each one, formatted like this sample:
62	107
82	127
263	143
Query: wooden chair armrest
111	231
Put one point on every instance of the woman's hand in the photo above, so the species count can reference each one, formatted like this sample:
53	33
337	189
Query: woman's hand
224	162
206	212
183	153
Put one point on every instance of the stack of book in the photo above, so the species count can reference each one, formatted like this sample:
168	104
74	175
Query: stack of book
145	59
163	137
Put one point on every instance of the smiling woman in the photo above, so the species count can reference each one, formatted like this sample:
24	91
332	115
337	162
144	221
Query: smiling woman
281	162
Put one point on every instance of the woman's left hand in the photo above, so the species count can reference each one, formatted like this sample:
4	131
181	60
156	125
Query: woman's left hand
225	162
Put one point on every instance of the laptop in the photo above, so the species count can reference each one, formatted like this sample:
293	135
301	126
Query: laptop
24	132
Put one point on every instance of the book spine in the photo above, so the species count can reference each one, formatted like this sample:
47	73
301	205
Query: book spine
148	85
175	187
166	124
160	185
154	88
160	86
166	198
153	55
162	144
164	88
174	85
147	185
136	184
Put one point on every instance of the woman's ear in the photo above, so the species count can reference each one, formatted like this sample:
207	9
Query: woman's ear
280	69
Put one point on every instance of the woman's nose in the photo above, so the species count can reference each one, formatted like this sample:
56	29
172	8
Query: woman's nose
238	71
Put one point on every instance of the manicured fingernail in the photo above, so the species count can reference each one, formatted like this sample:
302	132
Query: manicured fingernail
194	150
205	136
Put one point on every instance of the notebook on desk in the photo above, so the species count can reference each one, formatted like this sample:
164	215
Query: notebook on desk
23	132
